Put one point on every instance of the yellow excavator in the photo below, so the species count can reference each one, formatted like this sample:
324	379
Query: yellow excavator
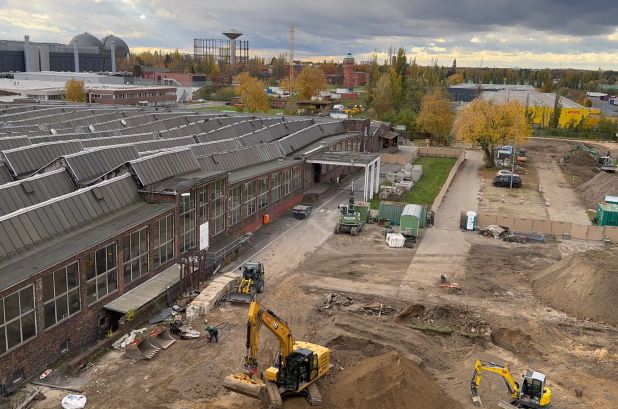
297	368
533	393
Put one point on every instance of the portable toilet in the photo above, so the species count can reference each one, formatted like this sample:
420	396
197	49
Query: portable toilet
471	219
411	220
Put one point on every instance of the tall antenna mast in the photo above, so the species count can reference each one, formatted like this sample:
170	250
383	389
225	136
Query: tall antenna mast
292	31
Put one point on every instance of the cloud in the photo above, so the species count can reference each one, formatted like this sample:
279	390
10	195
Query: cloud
502	31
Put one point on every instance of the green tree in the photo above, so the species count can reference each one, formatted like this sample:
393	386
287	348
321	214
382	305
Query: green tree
548	81
383	100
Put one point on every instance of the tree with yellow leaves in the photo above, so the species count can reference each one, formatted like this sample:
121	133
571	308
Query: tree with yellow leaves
455	79
251	90
491	125
309	82
75	91
436	116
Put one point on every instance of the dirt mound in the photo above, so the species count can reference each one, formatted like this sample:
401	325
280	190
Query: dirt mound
594	190
385	382
581	158
583	284
515	341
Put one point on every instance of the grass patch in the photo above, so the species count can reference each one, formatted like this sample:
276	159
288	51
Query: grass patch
432	328
435	172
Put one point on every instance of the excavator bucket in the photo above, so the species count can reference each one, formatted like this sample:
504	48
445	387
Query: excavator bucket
240	298
141	348
243	384
160	337
476	399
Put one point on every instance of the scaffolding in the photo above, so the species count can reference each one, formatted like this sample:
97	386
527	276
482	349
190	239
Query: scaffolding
221	49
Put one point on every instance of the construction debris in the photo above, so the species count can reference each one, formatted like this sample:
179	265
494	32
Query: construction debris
377	309
73	401
331	300
126	339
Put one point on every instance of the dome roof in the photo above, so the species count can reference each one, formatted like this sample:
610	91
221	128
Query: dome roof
119	44
86	39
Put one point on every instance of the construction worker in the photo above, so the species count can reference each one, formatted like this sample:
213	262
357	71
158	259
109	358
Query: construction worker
213	333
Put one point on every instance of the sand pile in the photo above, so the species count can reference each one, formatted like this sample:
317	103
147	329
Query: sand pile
584	285
385	382
595	190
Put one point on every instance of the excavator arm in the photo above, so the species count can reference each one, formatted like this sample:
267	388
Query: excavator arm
501	370
258	316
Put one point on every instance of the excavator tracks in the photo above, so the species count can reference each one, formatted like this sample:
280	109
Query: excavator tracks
314	397
274	397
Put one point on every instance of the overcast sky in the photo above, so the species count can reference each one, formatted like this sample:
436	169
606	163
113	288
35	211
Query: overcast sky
504	33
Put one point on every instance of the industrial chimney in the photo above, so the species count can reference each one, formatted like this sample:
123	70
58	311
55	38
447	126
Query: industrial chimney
27	53
232	35
112	48
76	55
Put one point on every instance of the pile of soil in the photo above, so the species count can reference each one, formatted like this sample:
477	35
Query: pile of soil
384	382
515	340
581	158
456	318
594	190
584	285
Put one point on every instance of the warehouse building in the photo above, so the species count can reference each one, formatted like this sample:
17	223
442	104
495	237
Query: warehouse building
540	105
95	202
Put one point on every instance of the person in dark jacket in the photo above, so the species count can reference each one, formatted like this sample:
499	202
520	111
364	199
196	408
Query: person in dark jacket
213	333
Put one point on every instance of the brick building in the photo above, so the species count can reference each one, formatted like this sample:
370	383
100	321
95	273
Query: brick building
87	216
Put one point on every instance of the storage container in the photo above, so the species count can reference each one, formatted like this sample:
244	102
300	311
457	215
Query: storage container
411	220
391	211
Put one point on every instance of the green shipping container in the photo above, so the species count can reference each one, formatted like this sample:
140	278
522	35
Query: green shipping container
607	214
390	211
363	209
411	220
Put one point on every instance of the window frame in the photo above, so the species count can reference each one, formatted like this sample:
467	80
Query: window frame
250	198
264	190
275	187
235	199
4	324
188	223
107	272
129	261
163	245
66	294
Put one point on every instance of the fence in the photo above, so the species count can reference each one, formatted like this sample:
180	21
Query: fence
441	152
406	155
564	229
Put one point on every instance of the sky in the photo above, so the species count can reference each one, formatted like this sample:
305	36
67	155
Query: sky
487	33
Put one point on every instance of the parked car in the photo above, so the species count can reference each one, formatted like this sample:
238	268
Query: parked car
504	172
505	181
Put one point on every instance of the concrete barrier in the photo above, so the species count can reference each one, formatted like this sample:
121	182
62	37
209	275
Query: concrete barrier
218	287
441	152
447	183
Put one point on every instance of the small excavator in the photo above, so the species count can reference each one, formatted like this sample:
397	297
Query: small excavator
251	283
533	393
349	218
297	368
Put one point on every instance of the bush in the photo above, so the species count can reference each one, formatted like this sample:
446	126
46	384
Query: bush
224	94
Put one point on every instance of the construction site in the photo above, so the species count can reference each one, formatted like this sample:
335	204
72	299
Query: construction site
348	321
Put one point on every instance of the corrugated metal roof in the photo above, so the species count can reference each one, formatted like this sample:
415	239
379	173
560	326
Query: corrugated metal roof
160	166
13	142
28	159
229	131
33	190
307	136
240	158
117	140
52	252
86	166
209	148
160	144
5	175
33	225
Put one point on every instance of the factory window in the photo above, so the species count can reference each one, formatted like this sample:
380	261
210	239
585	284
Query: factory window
296	179
17	320
135	254
101	273
217	211
61	294
235	205
187	222
275	187
203	195
287	182
250	200
163	240
263	192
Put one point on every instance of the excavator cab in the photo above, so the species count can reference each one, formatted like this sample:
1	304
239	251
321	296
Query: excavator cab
300	369
533	390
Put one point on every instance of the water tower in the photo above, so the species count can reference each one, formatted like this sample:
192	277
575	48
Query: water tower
232	35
